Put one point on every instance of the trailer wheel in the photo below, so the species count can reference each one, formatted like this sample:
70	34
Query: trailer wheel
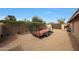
46	34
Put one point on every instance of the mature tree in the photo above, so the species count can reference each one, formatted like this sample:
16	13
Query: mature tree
61	21
37	23
36	19
25	20
50	23
10	18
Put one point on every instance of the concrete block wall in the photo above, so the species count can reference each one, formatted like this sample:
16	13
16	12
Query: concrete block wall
56	26
10	30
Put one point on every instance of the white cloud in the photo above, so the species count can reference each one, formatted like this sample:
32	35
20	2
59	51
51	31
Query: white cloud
2	17
19	19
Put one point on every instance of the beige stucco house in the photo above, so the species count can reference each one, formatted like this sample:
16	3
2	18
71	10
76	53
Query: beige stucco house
74	24
49	26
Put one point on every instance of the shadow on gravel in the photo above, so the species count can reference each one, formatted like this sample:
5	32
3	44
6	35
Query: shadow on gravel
41	36
17	48
74	41
7	40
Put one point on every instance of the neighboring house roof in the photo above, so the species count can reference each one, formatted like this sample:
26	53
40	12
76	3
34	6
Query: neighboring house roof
74	15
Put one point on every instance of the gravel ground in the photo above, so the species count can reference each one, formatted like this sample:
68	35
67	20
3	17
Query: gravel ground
57	41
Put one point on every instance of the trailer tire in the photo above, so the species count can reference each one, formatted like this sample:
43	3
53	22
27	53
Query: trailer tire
46	34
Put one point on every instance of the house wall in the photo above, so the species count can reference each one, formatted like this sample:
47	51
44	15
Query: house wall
63	26
49	26
71	26
75	27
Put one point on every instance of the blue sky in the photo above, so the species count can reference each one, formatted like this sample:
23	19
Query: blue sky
47	14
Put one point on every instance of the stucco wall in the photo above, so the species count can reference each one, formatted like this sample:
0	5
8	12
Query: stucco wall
10	30
1	25
0	29
75	27
49	26
71	26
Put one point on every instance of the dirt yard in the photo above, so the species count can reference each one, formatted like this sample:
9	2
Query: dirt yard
60	40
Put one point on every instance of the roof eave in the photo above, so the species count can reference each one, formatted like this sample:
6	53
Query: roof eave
71	19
